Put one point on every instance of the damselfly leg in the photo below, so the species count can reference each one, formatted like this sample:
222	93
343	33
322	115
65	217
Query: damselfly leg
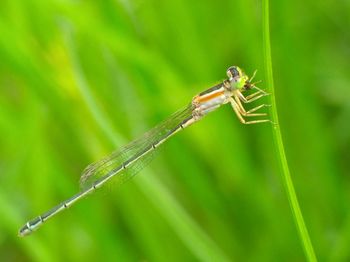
247	113
240	110
257	108
240	114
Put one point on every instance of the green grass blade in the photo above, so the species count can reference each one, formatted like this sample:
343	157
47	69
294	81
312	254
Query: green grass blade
293	200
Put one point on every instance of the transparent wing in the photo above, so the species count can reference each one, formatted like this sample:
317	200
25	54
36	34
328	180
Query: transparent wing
106	166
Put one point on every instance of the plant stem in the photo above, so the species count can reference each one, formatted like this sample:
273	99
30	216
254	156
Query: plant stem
292	197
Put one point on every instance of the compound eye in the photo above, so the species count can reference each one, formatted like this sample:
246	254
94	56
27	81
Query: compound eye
233	72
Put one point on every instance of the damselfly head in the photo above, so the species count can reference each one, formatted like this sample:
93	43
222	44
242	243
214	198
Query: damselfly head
233	72
237	78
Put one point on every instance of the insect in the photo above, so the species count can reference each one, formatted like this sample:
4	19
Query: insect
124	163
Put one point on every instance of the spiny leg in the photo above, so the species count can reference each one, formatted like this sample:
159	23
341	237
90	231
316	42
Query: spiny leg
257	88
236	109
244	112
240	106
243	121
257	108
251	99
260	92
253	95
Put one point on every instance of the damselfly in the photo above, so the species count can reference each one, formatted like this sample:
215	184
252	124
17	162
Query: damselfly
124	163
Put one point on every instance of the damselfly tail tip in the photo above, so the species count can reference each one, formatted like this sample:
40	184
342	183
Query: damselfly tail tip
21	233
24	231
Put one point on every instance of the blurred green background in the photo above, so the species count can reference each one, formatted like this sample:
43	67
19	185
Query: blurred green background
78	79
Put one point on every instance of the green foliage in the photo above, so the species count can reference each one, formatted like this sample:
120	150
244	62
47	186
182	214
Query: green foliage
78	79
